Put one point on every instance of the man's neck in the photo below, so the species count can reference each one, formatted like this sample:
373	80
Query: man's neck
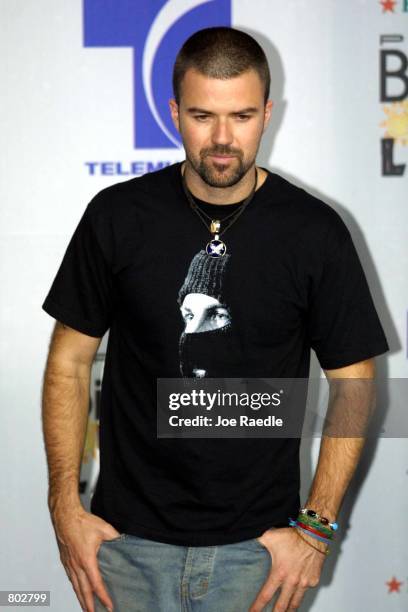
222	195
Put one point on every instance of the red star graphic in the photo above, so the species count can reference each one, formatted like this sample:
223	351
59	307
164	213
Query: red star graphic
388	5
394	585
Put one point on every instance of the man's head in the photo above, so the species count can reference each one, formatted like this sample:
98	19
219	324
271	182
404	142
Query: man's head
221	86
221	53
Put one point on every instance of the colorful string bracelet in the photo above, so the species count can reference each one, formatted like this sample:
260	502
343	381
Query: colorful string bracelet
313	530
316	526
323	552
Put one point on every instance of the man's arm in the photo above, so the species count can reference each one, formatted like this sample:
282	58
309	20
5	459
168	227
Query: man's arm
65	408
65	405
338	456
296	565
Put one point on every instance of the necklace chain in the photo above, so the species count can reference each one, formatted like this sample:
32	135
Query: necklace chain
235	213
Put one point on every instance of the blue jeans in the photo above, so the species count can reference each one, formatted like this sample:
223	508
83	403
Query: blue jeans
148	576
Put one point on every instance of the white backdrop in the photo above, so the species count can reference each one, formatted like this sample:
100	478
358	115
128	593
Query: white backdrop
64	104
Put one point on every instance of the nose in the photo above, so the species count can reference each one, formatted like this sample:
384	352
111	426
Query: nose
222	132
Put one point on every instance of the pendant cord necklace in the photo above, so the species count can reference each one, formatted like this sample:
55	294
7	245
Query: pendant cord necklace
216	247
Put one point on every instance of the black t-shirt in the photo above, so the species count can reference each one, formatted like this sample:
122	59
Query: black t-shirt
292	281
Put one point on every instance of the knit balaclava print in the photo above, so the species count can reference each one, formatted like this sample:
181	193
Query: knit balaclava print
207	353
205	275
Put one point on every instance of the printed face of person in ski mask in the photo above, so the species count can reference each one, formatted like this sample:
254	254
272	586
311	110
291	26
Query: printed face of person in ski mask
209	346
205	337
202	313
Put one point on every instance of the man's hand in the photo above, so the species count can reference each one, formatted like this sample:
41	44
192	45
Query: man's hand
79	536
295	568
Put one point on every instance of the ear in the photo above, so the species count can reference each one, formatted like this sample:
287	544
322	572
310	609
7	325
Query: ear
268	113
174	111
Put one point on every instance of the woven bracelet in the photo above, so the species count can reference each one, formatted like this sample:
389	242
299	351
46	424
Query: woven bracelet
323	552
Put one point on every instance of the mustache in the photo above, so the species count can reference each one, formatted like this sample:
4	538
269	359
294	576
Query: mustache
220	151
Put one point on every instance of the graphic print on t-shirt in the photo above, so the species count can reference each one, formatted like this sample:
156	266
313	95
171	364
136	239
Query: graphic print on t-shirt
208	342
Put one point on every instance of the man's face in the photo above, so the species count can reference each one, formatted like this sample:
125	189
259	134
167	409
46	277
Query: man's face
221	123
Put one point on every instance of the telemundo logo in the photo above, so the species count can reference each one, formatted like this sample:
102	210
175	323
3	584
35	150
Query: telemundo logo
155	31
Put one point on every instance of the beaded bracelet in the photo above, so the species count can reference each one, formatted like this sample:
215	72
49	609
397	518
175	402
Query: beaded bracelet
316	515
311	519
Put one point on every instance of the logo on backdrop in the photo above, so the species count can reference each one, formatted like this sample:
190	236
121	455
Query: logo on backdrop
394	585
394	6
394	97
154	31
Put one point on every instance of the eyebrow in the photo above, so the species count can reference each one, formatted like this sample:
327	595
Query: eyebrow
196	109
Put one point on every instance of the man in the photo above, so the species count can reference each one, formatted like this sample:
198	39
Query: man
200	524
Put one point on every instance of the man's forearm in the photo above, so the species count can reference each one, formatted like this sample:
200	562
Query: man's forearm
338	459
351	405
65	407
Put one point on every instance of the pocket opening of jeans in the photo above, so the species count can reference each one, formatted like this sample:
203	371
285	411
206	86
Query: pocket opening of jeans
119	538
259	543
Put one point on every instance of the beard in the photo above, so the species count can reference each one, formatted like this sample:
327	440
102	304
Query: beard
220	175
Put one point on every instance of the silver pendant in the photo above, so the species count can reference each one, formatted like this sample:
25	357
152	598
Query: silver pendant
216	247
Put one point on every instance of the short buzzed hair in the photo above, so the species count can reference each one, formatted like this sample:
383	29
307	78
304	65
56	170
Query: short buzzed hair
221	53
